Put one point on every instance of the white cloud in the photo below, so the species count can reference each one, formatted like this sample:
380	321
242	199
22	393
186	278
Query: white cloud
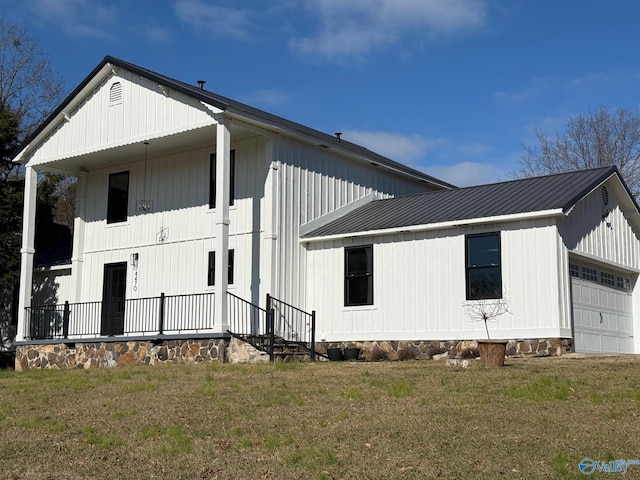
214	20
79	18
267	98
358	27
466	173
156	34
397	146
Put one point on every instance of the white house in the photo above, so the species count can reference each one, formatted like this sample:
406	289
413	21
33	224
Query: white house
192	208
562	251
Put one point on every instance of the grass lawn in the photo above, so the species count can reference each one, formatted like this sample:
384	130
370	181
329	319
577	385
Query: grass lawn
535	418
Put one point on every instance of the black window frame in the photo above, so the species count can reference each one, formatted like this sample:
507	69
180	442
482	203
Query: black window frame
354	278
211	270
213	179
117	203
493	289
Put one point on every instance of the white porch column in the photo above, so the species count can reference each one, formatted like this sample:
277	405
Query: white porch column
221	220
28	248
77	257
269	225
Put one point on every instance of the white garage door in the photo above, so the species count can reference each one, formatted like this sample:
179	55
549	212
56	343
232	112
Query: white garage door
602	310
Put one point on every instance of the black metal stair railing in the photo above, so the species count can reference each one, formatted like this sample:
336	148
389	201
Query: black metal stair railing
280	329
293	324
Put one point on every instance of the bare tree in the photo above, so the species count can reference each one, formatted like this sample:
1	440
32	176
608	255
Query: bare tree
599	138
486	310
29	87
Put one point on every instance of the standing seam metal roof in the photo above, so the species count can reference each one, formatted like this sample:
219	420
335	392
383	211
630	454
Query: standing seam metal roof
552	192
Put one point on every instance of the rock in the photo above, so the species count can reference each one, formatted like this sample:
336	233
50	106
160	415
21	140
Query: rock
467	345
524	347
440	356
127	359
163	354
456	362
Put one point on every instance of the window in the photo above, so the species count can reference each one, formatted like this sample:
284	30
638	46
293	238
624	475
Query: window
358	272
484	272
212	179
118	197
590	274
574	270
211	275
623	283
607	278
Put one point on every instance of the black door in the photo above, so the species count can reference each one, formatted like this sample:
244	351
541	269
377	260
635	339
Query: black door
113	296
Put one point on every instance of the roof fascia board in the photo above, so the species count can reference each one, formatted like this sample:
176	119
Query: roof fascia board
600	261
310	136
62	113
588	191
438	226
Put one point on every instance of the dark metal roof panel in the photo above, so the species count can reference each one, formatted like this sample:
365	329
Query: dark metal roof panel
552	192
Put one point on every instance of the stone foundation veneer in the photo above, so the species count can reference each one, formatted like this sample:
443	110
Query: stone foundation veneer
111	354
422	350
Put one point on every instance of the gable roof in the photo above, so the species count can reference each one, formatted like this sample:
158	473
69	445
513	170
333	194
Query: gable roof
554	194
234	109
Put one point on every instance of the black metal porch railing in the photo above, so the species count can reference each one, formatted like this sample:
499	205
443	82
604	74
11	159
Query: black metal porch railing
166	314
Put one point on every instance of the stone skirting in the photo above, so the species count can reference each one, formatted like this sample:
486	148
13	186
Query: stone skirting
111	354
423	350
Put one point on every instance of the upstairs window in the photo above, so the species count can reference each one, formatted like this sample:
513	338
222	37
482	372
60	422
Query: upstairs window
483	268
211	274
358	272
118	197
212	179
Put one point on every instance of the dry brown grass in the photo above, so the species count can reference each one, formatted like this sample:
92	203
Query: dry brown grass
395	420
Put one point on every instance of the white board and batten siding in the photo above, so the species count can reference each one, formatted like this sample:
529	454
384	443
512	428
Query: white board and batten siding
51	286
313	182
98	123
420	290
174	239
604	257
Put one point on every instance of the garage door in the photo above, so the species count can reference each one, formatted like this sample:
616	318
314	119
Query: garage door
602	310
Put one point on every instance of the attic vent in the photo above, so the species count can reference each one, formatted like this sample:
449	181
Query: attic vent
115	93
605	196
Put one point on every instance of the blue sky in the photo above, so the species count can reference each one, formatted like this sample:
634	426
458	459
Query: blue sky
454	88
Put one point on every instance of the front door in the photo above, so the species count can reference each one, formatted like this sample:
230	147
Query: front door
113	297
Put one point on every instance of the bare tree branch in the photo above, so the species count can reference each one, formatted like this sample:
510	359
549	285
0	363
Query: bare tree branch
599	138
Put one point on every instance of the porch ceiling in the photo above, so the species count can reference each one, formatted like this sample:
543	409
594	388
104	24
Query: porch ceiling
123	153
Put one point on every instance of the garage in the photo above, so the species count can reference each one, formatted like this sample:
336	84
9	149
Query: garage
602	310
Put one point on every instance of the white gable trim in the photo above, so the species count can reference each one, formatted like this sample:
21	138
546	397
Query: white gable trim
330	217
437	226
